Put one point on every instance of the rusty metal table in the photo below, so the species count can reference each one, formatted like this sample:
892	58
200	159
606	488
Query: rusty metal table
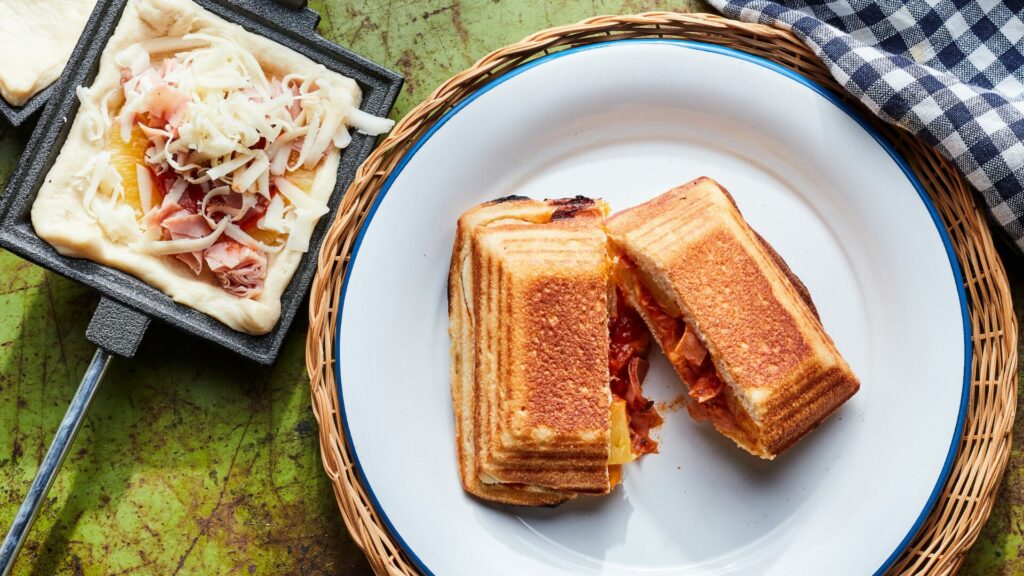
193	463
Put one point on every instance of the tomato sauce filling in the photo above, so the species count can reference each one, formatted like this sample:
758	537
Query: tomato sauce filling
627	364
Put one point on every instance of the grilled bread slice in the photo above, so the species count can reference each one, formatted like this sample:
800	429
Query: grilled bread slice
735	323
529	326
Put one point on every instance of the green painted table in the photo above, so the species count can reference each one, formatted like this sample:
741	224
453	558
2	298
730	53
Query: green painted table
188	464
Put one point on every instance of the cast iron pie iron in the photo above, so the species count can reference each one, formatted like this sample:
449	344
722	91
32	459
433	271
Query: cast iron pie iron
127	304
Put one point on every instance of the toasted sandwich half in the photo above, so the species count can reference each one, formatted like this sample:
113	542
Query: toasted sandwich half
737	325
532	320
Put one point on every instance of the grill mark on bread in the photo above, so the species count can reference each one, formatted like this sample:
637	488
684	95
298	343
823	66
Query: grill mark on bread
756	332
481	303
805	295
824	389
523	247
462	330
689	238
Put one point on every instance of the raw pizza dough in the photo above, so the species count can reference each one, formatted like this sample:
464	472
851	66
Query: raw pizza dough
59	217
38	37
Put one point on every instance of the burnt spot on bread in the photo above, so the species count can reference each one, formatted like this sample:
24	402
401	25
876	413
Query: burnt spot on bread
570	207
450	292
578	200
508	198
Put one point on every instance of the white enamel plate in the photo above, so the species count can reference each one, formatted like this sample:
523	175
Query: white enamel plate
625	121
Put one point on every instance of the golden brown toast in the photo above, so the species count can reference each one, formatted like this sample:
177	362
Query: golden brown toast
691	256
528	325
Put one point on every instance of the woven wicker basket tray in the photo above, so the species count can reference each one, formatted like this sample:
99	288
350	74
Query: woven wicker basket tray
966	500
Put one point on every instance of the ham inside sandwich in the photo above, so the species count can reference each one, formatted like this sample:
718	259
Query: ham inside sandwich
710	399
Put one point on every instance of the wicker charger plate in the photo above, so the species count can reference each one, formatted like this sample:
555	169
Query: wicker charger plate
966	500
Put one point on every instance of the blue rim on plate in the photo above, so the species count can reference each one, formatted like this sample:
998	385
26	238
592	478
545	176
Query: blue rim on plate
768	64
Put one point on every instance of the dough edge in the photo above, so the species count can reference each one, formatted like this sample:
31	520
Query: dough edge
36	48
59	218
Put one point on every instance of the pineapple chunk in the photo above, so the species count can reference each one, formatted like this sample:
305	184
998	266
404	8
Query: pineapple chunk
124	157
303	178
621	450
268	237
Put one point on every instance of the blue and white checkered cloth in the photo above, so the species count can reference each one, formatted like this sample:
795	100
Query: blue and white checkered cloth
949	71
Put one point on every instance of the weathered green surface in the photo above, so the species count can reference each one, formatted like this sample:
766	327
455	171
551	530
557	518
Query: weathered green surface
193	463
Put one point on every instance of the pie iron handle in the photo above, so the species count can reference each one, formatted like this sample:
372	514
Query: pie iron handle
117	330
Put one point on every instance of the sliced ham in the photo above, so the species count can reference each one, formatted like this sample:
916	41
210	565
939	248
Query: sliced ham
634	392
166	102
627	366
184	224
640	424
156	216
718	412
194	261
706	387
239	269
691	349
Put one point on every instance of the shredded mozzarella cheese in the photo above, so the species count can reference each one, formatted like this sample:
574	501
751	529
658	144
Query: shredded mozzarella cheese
368	123
184	245
239	235
297	197
215	121
146	185
274	218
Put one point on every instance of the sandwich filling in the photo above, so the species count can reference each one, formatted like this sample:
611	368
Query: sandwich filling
633	415
710	398
530	285
208	160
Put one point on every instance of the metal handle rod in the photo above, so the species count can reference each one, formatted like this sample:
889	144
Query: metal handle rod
51	462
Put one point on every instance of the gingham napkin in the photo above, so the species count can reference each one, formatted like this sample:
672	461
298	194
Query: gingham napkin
951	72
